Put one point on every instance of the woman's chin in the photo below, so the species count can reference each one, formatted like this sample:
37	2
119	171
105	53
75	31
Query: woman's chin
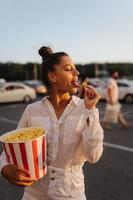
74	90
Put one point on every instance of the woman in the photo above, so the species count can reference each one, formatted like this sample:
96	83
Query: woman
74	134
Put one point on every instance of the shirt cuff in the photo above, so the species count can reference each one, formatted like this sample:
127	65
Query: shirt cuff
3	161
92	114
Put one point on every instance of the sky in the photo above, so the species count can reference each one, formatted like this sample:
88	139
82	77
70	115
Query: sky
88	30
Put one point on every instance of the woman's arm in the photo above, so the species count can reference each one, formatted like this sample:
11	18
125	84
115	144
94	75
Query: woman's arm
92	137
13	173
22	124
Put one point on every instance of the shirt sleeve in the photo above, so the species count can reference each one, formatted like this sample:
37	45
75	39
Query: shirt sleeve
3	160
22	124
92	136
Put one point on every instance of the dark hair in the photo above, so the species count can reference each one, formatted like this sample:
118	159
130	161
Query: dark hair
49	60
111	72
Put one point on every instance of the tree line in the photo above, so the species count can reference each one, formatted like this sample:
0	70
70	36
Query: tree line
30	71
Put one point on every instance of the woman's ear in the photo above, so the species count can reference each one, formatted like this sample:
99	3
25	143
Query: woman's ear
52	77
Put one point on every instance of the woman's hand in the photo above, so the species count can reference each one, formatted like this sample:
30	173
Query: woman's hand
91	97
17	175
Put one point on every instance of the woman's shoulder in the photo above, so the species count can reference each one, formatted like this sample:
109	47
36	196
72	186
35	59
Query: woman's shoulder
34	105
78	101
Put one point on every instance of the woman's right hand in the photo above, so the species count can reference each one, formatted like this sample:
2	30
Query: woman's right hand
17	175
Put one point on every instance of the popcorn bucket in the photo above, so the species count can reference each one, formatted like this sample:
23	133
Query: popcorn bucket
27	153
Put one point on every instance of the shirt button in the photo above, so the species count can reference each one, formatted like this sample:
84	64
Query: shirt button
52	179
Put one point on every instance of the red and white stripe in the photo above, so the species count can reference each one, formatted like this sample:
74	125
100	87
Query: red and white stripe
29	155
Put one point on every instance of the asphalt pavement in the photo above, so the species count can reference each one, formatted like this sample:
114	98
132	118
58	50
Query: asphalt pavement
109	179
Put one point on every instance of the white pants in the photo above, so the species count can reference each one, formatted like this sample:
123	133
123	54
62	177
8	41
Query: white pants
58	184
112	112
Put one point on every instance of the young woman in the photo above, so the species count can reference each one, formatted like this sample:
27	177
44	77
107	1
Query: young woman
74	134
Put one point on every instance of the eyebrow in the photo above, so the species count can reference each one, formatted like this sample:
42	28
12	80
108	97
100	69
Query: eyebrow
69	65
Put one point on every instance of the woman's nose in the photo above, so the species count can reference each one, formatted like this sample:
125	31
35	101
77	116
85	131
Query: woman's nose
75	71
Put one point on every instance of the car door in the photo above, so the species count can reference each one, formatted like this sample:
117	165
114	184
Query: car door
11	93
6	94
123	90
18	92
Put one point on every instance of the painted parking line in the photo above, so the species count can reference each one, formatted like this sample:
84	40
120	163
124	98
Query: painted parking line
8	120
128	113
116	146
124	113
14	106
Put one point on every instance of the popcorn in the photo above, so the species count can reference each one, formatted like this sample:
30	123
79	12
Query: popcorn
24	135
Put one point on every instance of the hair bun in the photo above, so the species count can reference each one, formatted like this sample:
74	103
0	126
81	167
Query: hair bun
45	52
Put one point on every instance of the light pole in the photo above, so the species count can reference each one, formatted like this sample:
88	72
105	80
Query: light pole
96	70
35	72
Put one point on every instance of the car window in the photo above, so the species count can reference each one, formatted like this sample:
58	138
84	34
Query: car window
122	85
11	87
18	87
92	84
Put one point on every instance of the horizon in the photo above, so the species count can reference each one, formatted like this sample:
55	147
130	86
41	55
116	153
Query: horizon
89	63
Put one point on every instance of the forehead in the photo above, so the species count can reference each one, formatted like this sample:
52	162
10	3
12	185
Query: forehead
65	61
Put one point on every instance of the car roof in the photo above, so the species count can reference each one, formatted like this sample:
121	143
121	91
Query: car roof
126	81
31	81
14	83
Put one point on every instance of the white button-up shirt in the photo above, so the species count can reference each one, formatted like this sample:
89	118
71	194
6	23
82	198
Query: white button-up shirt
70	142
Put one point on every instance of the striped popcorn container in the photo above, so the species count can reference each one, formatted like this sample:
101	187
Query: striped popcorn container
27	148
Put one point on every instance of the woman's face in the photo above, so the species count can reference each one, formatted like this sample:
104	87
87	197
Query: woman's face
66	76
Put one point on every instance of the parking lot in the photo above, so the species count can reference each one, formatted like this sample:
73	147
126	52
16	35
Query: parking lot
109	179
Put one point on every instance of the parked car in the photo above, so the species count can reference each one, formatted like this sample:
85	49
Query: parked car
2	82
125	89
39	88
16	92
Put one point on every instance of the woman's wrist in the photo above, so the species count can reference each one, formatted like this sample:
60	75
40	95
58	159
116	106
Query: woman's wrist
90	107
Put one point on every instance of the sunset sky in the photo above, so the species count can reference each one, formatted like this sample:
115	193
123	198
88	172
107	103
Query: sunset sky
89	31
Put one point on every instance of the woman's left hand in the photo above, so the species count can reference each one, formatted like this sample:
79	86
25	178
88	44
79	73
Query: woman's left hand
91	97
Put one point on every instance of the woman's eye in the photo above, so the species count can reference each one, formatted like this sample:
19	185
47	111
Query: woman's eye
69	69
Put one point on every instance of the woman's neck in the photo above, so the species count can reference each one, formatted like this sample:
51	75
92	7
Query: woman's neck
59	100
